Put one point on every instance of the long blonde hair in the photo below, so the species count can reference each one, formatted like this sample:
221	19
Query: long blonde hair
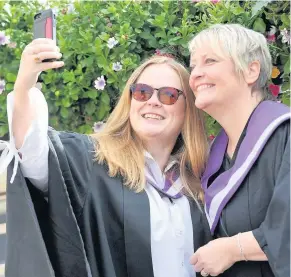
120	148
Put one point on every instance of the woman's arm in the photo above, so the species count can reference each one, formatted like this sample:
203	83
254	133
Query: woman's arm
28	114
220	254
34	147
24	110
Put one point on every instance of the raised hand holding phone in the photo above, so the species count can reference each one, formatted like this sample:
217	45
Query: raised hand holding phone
41	54
31	65
45	27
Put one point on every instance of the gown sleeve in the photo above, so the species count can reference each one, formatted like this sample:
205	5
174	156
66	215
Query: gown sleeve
273	235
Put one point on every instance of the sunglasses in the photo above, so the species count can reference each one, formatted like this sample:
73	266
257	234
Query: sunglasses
166	95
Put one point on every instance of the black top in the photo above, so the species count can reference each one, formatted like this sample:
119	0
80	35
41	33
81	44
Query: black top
262	205
91	225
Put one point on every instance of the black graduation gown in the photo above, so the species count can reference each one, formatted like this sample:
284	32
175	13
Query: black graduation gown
91	225
262	205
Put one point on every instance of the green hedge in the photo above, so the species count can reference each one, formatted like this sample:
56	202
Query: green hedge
141	29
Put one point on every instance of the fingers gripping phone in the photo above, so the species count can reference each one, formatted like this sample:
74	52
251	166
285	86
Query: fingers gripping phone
45	26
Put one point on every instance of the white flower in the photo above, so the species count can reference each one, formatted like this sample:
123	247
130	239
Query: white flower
111	42
71	8
2	85
117	66
272	31
100	83
285	36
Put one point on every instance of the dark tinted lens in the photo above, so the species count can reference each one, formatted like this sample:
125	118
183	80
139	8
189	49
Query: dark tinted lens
168	96
141	92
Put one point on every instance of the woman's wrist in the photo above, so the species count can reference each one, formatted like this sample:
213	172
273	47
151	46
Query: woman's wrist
236	249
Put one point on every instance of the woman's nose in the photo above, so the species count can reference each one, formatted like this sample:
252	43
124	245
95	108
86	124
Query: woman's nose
154	100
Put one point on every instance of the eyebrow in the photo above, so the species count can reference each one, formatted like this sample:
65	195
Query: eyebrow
194	60
203	56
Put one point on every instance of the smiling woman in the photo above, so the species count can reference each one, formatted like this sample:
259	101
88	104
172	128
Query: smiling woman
156	136
247	177
127	196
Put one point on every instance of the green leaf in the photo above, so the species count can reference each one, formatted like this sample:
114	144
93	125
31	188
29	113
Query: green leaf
66	103
90	108
259	25
259	6
92	93
287	68
68	76
238	10
10	77
286	99
87	62
285	87
3	130
105	98
101	111
112	9
285	19
64	112
9	86
146	35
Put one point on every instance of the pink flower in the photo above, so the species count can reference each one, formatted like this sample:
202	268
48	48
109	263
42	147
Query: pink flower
158	52
211	137
274	89
215	1
271	38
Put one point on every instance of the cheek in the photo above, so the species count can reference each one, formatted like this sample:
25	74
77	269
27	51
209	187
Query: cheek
179	112
134	111
191	82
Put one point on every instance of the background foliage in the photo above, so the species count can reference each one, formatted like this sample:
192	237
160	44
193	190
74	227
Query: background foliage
141	29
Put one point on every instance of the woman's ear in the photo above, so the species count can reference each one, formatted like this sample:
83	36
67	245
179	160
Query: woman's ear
252	73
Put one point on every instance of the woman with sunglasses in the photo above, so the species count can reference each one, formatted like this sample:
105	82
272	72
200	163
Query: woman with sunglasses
122	202
247	177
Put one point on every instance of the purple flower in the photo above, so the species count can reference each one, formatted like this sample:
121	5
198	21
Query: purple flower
111	42
100	83
2	86
98	126
4	39
117	66
109	24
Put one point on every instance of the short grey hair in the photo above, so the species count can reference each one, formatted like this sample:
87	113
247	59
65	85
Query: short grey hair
240	44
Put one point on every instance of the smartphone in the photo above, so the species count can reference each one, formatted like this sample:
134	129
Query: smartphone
45	27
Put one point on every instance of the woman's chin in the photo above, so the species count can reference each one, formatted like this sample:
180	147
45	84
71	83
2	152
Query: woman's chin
202	104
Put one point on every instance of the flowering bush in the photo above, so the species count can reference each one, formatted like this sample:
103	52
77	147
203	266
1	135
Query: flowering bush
102	42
